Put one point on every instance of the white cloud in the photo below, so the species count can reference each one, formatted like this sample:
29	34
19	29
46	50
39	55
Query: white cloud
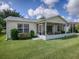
38	17
31	12
69	19
50	2
5	6
40	11
76	20
63	16
72	7
46	12
26	16
50	13
37	11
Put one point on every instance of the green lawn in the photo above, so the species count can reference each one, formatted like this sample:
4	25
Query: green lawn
39	49
2	37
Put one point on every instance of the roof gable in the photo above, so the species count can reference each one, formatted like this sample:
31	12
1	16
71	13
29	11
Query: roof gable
55	19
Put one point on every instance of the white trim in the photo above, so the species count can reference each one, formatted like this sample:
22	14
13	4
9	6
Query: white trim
47	37
45	28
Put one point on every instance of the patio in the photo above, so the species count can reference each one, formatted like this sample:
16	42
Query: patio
50	30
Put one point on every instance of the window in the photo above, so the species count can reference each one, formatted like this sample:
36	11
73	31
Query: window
23	28
20	28
49	29
26	27
40	28
58	27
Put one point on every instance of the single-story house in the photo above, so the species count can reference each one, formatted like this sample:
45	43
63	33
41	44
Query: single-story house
54	27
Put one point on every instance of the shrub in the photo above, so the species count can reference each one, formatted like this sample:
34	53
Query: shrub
14	34
62	31
32	33
23	35
0	29
77	27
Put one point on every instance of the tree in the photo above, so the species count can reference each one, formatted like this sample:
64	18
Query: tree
0	28
1	23
77	27
6	13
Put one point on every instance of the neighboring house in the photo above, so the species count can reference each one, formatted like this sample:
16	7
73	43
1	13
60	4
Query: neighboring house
54	27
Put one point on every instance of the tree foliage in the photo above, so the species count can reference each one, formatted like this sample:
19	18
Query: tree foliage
6	13
77	27
0	28
1	23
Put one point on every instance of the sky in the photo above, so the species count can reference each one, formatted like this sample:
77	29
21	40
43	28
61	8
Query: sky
68	9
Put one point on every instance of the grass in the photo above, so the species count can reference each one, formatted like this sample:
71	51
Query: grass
39	49
2	37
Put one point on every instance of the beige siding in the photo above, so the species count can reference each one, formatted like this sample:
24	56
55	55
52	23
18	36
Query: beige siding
11	25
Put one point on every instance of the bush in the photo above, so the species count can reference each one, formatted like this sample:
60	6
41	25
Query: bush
14	34
77	27
0	29
23	36
32	33
62	31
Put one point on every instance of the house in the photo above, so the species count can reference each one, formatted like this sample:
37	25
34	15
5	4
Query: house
51	28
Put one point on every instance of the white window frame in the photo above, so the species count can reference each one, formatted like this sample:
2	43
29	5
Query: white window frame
23	28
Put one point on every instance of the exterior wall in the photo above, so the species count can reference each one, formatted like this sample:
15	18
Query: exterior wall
11	25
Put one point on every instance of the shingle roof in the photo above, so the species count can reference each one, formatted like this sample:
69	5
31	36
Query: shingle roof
10	18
